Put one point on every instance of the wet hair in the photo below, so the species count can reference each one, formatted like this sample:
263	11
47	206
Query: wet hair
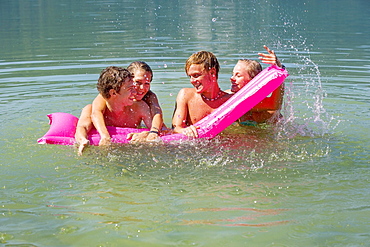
253	67
205	58
139	65
112	78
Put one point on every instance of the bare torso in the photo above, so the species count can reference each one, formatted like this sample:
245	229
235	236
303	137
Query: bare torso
125	118
199	107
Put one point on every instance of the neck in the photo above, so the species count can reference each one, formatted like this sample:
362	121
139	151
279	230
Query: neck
213	95
113	107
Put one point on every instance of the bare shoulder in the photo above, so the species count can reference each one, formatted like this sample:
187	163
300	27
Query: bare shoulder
99	101
99	97
150	96
186	94
140	107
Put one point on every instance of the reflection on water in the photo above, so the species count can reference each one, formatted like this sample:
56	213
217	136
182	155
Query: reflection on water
251	215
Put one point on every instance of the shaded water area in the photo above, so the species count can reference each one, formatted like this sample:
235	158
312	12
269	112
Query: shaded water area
304	182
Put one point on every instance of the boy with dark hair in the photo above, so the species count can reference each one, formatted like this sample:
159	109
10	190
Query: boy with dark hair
116	86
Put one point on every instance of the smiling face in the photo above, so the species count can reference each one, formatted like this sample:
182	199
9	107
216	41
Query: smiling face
127	93
142	81
244	71
201	79
240	77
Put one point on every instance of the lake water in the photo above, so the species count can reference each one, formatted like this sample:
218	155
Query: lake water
303	183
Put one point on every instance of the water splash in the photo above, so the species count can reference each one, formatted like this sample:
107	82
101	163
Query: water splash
303	109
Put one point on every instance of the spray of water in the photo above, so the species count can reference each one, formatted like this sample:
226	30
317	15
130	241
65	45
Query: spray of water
303	110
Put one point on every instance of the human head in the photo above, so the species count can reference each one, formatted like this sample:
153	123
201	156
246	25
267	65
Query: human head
244	71
112	78
142	75
204	58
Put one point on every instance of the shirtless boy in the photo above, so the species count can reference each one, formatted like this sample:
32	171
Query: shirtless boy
116	86
142	76
193	104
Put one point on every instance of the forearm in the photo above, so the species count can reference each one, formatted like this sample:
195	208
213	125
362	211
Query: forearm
99	123
157	123
81	134
97	117
178	121
278	63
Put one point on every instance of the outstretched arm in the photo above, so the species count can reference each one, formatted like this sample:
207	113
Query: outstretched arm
269	58
84	125
262	116
98	107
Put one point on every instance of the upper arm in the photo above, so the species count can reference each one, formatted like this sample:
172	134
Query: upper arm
98	105
181	109
97	113
155	110
85	117
153	103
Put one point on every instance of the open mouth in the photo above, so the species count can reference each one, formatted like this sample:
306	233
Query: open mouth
133	98
139	96
198	87
234	88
